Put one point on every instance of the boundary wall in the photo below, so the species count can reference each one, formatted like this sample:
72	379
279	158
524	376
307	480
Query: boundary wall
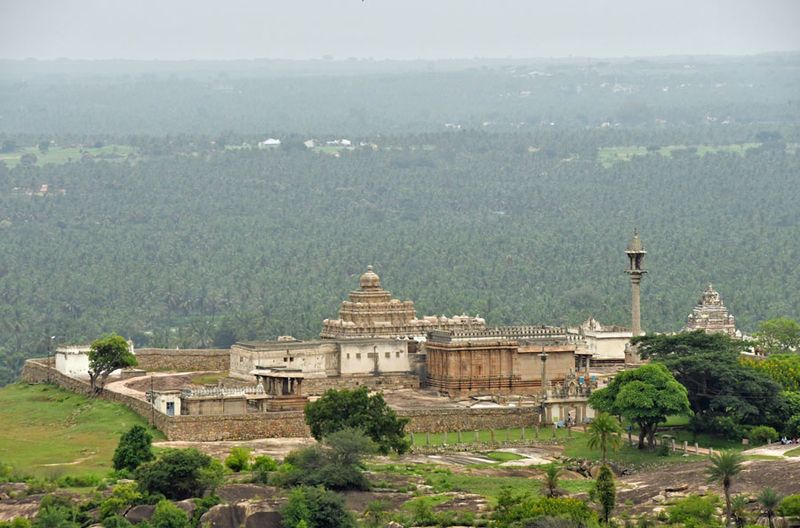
183	360
289	424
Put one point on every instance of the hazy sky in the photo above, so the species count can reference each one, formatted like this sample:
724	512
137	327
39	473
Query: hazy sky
298	29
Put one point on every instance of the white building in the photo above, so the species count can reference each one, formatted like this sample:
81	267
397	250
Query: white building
73	360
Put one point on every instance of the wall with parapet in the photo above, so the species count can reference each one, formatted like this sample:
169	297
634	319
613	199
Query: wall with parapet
183	360
279	424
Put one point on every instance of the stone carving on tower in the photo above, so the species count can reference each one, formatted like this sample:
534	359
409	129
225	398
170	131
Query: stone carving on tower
635	253
711	316
370	311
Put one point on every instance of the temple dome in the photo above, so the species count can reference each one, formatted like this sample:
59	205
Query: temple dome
635	245
370	280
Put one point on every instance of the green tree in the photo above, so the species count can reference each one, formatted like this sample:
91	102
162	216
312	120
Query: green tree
263	466
123	497
134	448
238	459
340	409
167	515
769	501
719	386
645	396
317	508
106	355
779	335
604	432
725	465
605	492
694	512
179	474
375	514
56	511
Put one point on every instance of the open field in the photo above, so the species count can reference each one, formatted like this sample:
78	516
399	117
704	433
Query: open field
608	155
48	431
60	155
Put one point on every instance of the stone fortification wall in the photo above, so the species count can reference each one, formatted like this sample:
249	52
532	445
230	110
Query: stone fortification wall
317	386
183	360
279	424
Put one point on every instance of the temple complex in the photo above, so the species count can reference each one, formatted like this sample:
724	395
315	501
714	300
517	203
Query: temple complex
370	311
711	316
521	360
606	343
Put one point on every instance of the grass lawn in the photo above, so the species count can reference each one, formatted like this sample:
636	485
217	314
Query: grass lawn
626	455
793	452
485	436
502	456
51	432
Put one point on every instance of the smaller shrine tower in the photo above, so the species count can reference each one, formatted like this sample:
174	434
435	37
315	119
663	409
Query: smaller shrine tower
636	270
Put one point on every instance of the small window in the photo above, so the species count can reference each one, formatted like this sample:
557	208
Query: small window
285	360
387	355
291	359
348	355
397	354
241	359
358	356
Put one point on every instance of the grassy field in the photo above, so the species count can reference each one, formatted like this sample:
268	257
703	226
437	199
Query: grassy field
793	452
51	432
608	155
60	155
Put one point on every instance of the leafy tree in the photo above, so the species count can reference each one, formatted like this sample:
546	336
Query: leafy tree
769	501
604	492
725	465
718	384
167	515
604	432
790	506
779	335
56	512
134	448
317	508
782	368
122	498
106	355
339	409
238	460
645	396
179	474
116	521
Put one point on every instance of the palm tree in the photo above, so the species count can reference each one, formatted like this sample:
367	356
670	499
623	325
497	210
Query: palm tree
769	501
604	432
724	466
550	483
739	510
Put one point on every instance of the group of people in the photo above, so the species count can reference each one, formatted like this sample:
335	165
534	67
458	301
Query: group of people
787	441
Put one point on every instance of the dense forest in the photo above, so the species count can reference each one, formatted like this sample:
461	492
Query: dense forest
141	203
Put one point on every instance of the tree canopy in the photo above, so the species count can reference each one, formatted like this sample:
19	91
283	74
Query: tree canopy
721	390
354	409
779	335
645	396
106	355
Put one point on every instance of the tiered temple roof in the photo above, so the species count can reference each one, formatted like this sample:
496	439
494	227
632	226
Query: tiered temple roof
711	315
370	311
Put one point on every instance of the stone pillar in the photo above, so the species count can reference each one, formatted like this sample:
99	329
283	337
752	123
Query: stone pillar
685	446
696	448
543	358
673	445
458	434
636	317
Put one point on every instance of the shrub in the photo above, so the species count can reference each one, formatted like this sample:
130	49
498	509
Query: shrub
793	427
179	474
524	509
123	497
317	508
763	434
790	506
167	515
134	449
19	522
116	521
262	467
694	512
80	481
238	460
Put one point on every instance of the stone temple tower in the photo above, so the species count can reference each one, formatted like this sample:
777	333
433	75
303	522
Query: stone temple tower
636	270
